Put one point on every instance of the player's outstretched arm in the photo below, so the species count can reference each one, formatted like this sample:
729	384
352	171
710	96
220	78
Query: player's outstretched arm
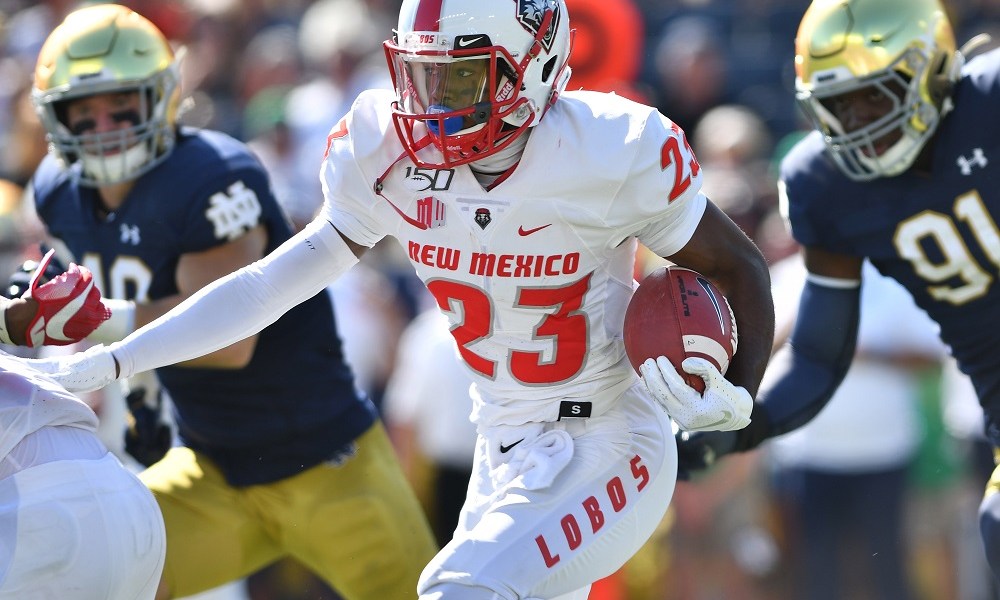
228	310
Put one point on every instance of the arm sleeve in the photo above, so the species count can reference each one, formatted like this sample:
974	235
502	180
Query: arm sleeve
805	373
240	304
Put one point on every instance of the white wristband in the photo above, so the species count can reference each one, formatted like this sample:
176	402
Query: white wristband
121	323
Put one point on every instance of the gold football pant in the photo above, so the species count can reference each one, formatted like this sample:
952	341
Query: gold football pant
358	526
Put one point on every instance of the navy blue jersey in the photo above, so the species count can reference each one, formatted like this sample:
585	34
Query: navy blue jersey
295	404
936	234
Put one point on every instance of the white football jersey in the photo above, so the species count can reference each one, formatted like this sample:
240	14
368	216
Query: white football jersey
535	272
30	401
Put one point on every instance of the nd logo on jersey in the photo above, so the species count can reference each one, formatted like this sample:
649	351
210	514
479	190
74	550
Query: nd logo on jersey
234	211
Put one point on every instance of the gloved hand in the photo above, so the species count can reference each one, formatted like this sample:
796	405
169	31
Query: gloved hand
80	372
722	407
147	436
67	308
698	451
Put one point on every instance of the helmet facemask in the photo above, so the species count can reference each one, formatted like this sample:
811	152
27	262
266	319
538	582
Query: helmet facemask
472	82
861	153
112	157
460	100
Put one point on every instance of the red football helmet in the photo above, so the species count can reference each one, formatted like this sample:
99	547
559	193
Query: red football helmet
471	76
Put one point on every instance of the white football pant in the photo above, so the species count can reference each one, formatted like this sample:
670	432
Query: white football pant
80	530
515	542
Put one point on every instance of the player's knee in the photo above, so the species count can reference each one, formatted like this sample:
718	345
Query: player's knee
989	528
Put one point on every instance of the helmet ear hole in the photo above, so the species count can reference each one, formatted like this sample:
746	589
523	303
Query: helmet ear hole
549	67
61	109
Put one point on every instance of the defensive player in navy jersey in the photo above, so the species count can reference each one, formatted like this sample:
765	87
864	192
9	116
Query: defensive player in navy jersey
902	170
280	456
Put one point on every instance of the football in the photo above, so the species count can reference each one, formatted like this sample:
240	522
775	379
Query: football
678	313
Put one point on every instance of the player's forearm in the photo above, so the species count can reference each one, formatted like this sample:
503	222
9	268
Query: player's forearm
723	253
233	356
241	304
806	372
750	297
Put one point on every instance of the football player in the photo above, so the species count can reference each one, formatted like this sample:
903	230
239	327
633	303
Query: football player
901	169
279	456
520	206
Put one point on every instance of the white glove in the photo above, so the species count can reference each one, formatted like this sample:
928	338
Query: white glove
722	407
80	372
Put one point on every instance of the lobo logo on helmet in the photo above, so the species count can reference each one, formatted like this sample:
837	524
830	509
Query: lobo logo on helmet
531	12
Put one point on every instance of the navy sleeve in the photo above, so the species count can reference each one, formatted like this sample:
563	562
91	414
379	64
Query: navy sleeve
808	370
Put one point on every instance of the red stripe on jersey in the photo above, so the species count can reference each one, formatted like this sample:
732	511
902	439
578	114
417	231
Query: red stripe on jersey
339	131
428	15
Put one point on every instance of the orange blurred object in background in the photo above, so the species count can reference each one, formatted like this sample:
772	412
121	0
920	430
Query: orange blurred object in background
608	47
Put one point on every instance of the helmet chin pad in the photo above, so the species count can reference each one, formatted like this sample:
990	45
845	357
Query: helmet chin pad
117	167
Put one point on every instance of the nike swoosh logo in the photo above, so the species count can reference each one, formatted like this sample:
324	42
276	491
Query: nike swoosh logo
58	322
468	41
727	417
506	449
522	231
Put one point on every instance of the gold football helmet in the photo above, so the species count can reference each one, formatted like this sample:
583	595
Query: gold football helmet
99	49
902	49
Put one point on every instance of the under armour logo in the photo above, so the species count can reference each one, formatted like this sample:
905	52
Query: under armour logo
978	159
129	234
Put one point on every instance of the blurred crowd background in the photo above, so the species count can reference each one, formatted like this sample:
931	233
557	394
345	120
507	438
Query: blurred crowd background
877	500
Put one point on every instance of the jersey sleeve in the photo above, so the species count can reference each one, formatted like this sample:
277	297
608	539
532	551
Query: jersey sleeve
235	201
348	201
808	183
794	212
663	187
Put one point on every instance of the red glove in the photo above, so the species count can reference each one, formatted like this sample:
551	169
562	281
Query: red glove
69	306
